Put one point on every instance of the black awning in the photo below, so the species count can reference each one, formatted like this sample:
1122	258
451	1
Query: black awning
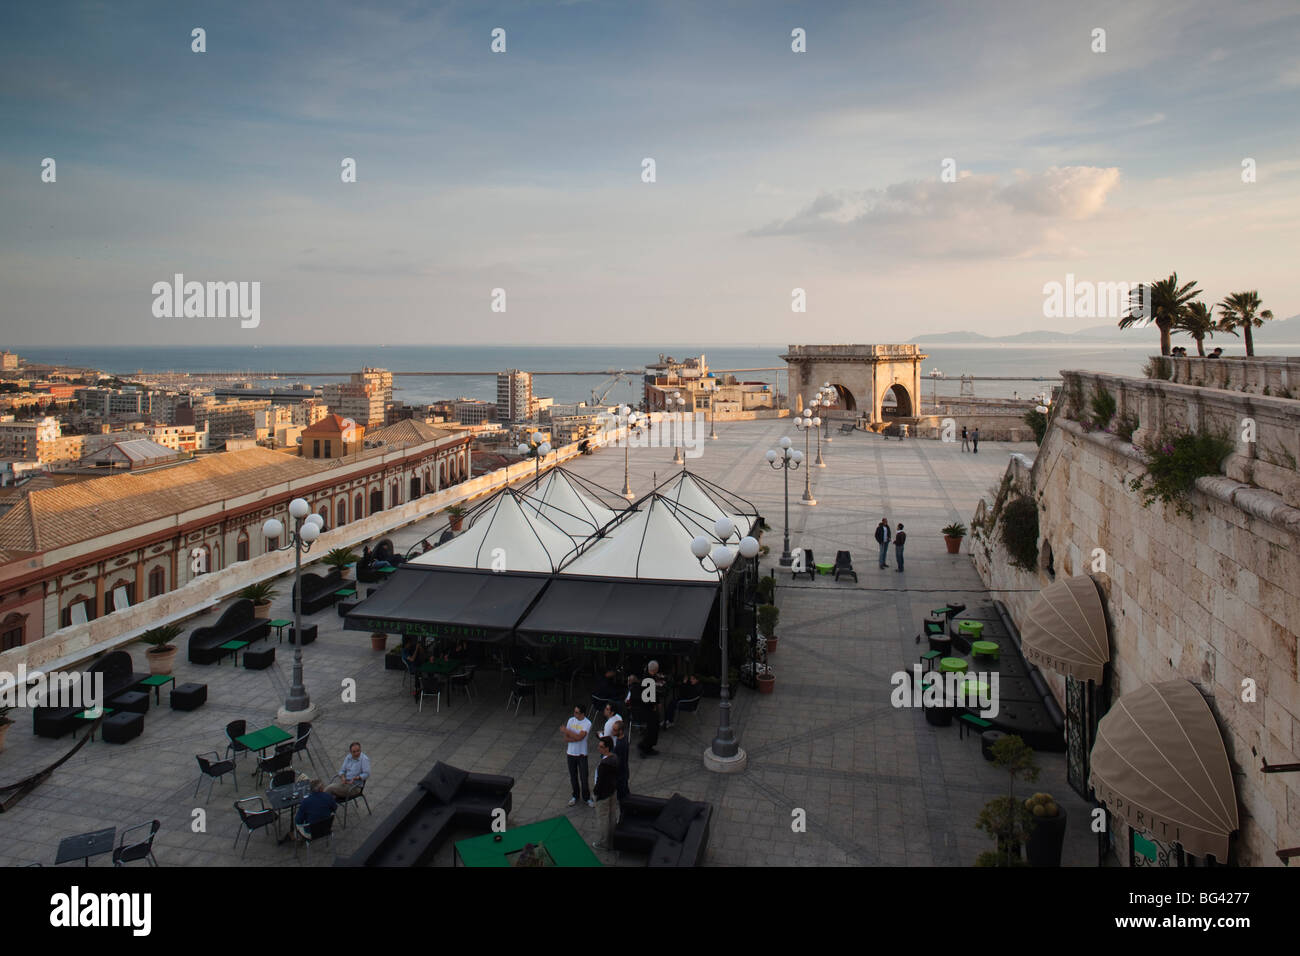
604	615
465	605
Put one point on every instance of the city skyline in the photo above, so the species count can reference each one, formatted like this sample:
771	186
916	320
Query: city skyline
522	170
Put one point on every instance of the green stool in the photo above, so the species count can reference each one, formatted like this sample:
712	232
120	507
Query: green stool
954	665
973	629
984	649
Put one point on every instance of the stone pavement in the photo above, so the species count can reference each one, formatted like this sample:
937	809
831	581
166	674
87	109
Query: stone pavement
878	785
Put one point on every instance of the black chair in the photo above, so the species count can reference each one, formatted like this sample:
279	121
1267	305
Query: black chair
464	679
431	686
311	832
844	565
356	795
300	745
281	760
236	728
521	690
689	706
809	568
126	852
255	816
282	778
213	769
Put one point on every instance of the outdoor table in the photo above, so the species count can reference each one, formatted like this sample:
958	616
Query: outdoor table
952	665
233	646
260	740
825	568
441	667
345	592
984	648
538	673
85	845
85	715
563	844
973	628
157	682
388	570
287	797
280	624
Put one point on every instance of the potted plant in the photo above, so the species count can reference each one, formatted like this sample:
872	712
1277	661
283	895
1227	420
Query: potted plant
952	536
766	679
340	559
5	724
378	641
1047	832
768	616
766	588
1007	821
260	594
455	516
162	652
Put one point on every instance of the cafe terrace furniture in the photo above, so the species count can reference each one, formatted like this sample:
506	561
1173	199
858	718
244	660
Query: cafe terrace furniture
358	794
137	702
133	848
447	797
212	770
809	566
122	727
262	740
563	845
233	647
674	832
279	624
238	623
318	590
189	696
85	845
954	665
118	679
157	682
844	565
984	649
308	635
259	660
254	814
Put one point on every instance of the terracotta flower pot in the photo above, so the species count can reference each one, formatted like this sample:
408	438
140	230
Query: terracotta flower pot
456	522
766	683
161	659
771	644
954	544
262	609
378	642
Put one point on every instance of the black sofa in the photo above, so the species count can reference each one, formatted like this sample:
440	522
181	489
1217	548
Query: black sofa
674	832
119	677
238	623
447	797
318	590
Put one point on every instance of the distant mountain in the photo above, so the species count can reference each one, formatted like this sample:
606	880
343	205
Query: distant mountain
1280	330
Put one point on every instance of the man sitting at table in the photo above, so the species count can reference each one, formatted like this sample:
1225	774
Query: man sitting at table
319	805
688	689
353	775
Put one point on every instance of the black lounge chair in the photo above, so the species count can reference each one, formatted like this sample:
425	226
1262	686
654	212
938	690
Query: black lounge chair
844	565
809	568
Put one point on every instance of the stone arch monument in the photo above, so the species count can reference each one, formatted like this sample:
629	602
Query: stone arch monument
880	384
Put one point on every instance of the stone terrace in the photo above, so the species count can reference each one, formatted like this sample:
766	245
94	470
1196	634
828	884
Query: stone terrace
879	785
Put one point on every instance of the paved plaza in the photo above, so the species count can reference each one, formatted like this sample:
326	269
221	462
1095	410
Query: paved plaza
879	786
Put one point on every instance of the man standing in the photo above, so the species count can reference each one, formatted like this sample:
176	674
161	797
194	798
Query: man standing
607	773
882	539
975	439
965	439
575	735
648	709
900	539
612	717
624	764
352	776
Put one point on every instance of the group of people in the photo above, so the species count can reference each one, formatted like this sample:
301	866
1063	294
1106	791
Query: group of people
884	537
320	804
1181	352
970	438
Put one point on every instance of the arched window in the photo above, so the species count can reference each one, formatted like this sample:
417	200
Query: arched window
241	547
157	581
13	631
342	512
358	507
122	588
397	493
324	517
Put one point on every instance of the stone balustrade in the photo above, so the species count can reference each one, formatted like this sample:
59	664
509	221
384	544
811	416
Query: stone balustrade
1280	375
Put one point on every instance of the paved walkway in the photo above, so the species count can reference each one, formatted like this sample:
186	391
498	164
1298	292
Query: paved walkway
878	786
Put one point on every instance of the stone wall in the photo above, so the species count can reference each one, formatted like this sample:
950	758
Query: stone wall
1279	374
1214	598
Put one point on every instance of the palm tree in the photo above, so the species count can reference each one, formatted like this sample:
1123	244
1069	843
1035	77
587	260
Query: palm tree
1162	302
1198	322
1241	311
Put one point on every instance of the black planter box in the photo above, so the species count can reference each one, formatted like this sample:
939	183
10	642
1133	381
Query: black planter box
1043	848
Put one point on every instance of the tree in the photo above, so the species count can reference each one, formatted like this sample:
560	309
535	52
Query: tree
1161	302
1198	322
1003	818
1241	311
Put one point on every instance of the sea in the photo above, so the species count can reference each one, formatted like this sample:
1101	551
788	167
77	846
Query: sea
279	366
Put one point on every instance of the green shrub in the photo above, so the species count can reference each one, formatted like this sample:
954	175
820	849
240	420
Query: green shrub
768	616
1103	407
954	530
1038	422
1020	532
259	592
1126	426
339	558
766	588
1173	463
161	636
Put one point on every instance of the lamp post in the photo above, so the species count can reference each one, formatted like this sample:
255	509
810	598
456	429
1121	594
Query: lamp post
713	400
817	422
725	755
537	450
828	397
631	420
787	459
935	375
679	454
805	424
306	529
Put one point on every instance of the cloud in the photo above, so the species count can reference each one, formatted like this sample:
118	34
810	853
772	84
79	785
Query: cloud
976	216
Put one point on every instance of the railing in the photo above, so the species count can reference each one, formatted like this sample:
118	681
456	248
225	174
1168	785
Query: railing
1280	375
852	351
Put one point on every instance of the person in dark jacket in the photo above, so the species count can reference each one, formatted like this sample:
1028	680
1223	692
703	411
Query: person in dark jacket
975	442
882	539
621	751
900	539
605	791
318	806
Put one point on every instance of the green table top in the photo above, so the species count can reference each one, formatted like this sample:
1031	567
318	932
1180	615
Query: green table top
85	714
345	592
564	844
280	622
441	667
952	664
970	627
386	570
266	737
233	645
538	672
984	647
157	680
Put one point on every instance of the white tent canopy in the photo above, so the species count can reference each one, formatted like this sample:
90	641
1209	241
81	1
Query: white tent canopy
559	500
504	536
654	542
701	506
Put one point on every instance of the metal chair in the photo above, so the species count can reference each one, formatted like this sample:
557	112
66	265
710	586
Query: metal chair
256	816
357	795
126	852
431	686
464	679
281	760
690	705
311	832
213	769
809	566
282	778
521	690
300	744
236	728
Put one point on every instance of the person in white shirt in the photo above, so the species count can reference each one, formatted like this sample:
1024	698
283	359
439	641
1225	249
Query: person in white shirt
611	718
575	735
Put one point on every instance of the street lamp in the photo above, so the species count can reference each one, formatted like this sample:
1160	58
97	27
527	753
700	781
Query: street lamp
306	529
679	453
787	459
631	420
828	397
720	558
713	400
537	450
816	402
805	424
935	375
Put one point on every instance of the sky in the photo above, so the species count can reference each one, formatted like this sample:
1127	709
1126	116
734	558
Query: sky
921	167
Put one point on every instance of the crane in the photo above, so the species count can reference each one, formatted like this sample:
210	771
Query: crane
601	391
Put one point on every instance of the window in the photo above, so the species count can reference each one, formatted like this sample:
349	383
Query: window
241	548
358	507
324	515
327	448
157	582
315	448
13	631
272	544
343	513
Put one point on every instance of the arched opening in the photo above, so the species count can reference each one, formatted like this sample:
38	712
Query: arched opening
241	547
843	398
376	500
342	512
324	517
358	507
415	487
896	403
157	582
396	493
